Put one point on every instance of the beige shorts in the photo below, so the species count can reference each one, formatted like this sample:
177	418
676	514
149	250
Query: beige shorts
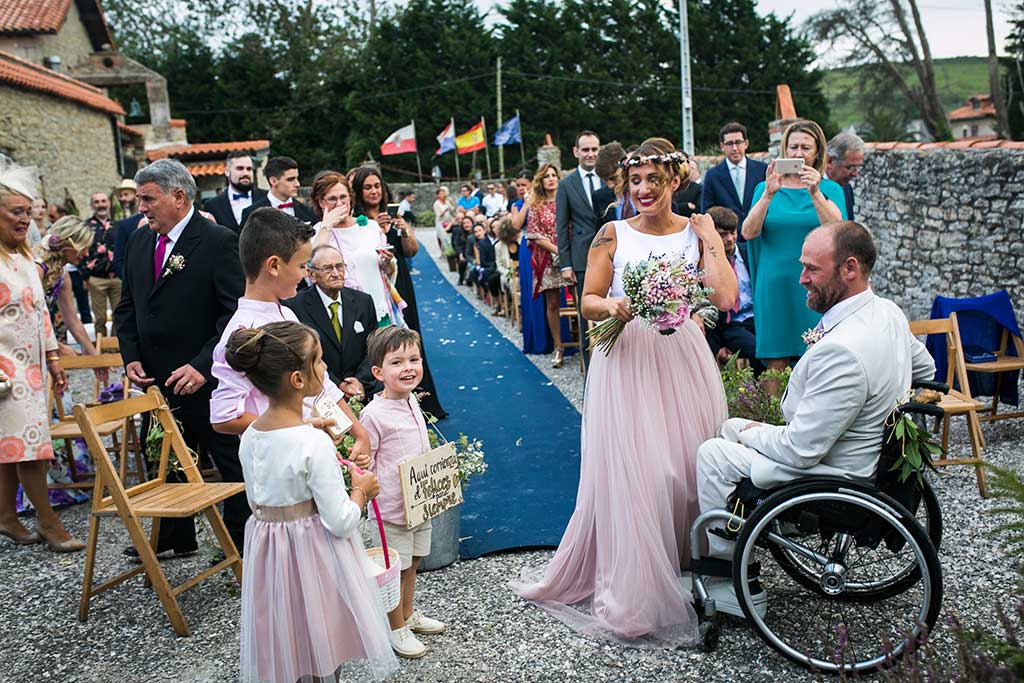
408	543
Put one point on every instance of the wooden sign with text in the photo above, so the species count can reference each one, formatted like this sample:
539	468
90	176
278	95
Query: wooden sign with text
430	484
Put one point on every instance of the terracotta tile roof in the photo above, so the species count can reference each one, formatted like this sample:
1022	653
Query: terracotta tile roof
28	17
204	149
22	74
206	168
134	132
32	16
969	111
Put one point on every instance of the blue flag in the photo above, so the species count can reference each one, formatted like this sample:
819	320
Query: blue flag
508	133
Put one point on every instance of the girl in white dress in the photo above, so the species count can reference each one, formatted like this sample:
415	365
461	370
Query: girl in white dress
309	612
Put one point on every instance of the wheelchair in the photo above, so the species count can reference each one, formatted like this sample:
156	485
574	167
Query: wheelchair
850	570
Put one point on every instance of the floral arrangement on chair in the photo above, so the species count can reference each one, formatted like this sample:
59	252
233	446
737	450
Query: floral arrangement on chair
751	398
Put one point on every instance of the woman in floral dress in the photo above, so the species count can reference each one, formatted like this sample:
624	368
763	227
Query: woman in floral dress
27	345
542	237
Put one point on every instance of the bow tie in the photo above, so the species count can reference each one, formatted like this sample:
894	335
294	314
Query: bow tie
286	205
236	197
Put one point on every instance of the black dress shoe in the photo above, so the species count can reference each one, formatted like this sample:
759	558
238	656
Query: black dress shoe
161	553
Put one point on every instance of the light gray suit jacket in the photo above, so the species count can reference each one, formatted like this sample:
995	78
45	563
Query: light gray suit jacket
838	397
577	222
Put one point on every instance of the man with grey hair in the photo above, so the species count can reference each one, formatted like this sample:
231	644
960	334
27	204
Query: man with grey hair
182	282
844	157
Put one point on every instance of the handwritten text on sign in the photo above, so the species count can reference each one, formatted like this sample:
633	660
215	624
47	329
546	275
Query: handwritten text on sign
430	484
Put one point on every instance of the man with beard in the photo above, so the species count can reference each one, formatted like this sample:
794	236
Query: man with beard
860	362
239	195
123	204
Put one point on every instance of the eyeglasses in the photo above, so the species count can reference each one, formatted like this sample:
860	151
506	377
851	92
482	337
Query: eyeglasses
330	267
734	143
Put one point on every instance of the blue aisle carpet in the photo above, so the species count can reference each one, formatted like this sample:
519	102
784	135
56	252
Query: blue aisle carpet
530	432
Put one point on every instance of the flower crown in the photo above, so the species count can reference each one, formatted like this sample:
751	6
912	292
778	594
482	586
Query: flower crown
670	158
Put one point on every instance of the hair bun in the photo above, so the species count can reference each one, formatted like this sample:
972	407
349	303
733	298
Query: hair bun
244	348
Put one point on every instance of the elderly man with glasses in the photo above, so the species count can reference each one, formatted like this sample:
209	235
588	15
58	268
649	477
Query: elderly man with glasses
843	162
342	317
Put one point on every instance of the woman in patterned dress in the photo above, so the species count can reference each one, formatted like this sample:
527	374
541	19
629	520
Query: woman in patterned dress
27	345
542	237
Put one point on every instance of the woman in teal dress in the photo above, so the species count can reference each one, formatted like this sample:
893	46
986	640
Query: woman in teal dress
785	209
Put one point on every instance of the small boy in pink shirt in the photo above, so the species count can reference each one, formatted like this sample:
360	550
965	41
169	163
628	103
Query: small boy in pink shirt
397	431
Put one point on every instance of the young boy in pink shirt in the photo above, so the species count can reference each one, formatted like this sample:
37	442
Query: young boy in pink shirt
397	430
274	249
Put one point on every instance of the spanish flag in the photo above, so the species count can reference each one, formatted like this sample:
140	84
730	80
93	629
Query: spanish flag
472	140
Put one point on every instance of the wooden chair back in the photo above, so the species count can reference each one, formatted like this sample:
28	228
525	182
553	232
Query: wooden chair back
155	499
956	372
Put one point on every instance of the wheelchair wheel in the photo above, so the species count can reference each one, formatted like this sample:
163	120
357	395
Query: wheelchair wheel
808	573
843	536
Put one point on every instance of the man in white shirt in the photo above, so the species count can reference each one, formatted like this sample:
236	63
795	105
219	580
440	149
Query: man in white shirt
493	202
840	393
239	195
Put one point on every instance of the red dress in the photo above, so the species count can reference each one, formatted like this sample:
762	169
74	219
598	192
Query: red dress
541	224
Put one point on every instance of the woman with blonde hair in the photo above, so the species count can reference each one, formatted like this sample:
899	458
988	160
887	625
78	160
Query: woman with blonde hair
538	212
785	209
28	351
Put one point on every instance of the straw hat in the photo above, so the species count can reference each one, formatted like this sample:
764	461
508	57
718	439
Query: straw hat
127	184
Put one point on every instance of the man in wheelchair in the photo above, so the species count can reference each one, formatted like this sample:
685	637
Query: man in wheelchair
859	366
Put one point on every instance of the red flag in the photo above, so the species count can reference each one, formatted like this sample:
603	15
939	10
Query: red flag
402	141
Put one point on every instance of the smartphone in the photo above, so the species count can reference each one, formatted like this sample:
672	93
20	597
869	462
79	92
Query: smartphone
789	166
393	210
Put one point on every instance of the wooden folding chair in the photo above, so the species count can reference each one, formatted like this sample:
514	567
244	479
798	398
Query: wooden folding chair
121	432
155	499
958	401
1002	363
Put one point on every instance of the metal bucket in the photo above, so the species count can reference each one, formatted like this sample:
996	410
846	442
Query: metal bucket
444	540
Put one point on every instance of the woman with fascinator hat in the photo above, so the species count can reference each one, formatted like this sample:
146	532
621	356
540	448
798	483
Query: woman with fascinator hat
650	401
28	351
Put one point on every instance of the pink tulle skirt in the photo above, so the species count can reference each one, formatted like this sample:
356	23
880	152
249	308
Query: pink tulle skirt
308	610
617	572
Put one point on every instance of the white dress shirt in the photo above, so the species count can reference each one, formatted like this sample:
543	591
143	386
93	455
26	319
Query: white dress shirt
595	183
493	203
835	314
238	205
742	166
327	301
275	202
174	235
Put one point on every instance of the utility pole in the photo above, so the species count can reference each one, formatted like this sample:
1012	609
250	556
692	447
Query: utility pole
995	82
684	77
501	148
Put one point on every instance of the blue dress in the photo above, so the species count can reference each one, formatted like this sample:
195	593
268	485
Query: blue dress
781	314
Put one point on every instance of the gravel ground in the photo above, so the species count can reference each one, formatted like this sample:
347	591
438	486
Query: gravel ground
492	635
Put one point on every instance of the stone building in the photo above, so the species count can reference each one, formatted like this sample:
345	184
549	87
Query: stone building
976	119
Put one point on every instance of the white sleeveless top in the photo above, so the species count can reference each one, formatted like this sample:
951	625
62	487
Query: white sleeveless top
633	246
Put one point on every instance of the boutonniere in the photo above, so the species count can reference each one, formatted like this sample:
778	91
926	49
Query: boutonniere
812	336
362	220
175	264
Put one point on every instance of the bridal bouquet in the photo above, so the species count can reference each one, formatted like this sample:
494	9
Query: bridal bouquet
661	292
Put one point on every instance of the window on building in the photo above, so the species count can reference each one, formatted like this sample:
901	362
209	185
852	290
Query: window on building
974	131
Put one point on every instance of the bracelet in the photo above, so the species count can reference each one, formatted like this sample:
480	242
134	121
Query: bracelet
360	489
52	355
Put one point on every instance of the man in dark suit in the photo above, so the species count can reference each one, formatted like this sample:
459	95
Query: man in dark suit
577	220
844	157
731	183
735	332
283	175
239	195
182	280
344	319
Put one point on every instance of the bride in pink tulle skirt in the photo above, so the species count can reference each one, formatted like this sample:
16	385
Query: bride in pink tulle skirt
649	403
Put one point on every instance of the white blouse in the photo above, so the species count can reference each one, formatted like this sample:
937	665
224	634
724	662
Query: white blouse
358	246
291	465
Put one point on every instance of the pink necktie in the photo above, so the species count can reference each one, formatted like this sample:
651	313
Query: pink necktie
158	256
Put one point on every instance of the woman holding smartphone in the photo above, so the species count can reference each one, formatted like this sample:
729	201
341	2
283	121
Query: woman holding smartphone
786	207
371	198
368	262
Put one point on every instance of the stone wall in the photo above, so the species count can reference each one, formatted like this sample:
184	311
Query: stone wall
71	43
72	146
947	222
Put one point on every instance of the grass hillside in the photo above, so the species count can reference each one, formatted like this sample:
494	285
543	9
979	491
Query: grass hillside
956	79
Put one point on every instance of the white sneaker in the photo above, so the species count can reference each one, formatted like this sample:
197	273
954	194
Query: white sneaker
405	644
724	595
418	623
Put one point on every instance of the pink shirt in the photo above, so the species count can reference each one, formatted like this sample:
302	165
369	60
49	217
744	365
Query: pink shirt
397	431
235	394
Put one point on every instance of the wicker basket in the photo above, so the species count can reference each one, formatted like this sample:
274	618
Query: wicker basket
387	565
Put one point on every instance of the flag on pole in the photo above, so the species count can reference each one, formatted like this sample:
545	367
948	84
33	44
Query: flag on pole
402	141
446	139
508	134
472	140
